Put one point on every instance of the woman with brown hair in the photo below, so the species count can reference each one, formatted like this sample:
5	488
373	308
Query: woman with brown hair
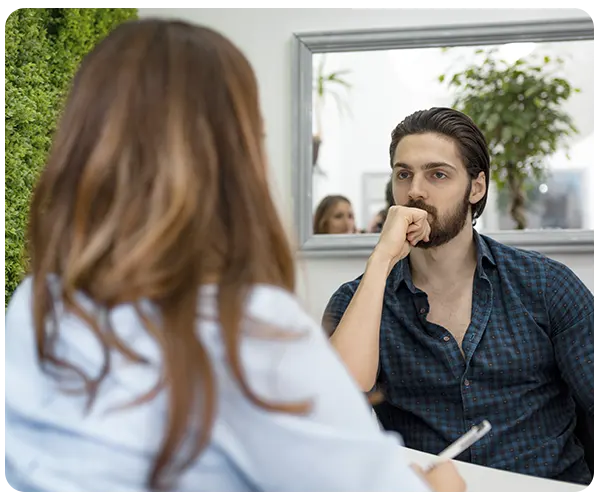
157	343
334	215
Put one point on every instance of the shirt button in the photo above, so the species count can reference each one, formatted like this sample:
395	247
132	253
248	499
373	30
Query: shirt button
423	310
467	383
446	338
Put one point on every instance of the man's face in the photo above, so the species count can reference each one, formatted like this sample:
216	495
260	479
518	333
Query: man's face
428	173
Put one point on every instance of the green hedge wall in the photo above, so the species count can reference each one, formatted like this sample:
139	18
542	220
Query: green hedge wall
43	49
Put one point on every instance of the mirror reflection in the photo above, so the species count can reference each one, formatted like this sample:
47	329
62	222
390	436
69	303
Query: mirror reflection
533	102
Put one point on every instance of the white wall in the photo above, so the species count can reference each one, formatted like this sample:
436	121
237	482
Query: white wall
265	36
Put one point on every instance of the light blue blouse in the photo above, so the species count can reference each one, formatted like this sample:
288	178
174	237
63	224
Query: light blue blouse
52	444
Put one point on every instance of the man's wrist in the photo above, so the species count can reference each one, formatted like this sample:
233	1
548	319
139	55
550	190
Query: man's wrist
380	259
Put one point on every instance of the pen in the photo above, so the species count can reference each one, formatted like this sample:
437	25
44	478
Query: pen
464	442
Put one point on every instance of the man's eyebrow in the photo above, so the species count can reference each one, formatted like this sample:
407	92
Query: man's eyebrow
426	166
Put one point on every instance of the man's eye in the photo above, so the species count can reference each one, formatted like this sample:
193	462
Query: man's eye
440	175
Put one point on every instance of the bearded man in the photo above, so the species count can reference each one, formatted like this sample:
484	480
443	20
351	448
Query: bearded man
453	327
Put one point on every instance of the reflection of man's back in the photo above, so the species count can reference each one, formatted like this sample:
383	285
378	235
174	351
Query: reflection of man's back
562	211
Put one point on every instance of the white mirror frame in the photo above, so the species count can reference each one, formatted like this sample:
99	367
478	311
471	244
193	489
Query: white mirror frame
307	44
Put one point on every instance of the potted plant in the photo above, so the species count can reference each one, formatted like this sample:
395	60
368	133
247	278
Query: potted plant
326	84
518	107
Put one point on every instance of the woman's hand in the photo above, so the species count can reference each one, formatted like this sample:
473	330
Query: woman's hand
442	477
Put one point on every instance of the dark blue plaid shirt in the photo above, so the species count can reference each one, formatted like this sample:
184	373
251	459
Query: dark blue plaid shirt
528	360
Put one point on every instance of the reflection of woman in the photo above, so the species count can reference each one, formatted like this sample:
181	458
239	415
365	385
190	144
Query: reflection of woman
334	215
157	344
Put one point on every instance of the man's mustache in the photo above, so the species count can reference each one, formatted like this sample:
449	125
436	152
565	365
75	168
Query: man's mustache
422	205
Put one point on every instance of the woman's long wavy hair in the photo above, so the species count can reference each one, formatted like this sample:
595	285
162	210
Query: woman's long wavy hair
156	184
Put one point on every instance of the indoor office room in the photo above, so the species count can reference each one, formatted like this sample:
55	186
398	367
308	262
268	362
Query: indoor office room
247	246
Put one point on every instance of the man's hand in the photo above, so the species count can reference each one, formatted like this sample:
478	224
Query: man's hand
404	227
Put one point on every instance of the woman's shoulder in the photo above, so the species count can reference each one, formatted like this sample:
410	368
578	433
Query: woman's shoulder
19	308
275	304
269	313
266	305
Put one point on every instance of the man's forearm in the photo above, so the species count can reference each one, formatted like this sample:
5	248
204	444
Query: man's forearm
356	337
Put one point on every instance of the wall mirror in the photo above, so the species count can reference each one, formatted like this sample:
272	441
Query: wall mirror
352	88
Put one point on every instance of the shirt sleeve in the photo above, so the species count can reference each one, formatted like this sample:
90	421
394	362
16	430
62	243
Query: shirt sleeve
336	446
336	307
593	423
571	312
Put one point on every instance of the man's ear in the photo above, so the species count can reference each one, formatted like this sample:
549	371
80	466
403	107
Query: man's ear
478	189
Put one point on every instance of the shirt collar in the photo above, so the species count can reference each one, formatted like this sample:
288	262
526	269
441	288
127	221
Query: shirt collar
401	271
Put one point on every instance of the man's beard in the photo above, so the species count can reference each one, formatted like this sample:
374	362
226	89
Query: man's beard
446	228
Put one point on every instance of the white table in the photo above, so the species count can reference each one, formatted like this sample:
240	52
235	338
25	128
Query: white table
479	478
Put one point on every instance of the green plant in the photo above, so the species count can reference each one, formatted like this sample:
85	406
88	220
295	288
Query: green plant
518	107
326	84
43	48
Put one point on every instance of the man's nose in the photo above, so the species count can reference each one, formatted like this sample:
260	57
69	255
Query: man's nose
417	189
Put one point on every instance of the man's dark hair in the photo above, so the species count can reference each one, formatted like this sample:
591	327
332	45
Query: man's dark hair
455	125
389	194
